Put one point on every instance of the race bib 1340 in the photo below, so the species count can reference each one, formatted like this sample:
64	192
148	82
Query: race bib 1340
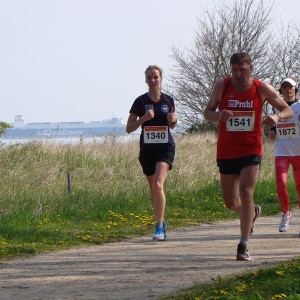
155	134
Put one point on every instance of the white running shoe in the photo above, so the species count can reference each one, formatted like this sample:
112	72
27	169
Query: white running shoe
286	219
242	252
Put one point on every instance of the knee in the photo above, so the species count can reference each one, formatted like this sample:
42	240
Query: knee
246	193
157	185
281	179
232	204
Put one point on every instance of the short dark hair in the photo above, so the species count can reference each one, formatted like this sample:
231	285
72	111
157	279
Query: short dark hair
240	58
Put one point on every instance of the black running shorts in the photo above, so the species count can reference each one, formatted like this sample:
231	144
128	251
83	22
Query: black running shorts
149	157
235	165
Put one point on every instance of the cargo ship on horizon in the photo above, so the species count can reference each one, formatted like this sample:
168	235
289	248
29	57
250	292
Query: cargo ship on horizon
22	130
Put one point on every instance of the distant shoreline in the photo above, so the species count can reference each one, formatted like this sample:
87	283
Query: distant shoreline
72	140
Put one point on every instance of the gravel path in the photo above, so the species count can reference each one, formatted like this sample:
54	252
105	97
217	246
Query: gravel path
143	269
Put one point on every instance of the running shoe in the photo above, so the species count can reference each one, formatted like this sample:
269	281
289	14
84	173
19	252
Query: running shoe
165	229
160	232
286	219
257	210
242	252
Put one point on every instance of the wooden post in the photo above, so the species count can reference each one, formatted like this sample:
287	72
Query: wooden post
69	181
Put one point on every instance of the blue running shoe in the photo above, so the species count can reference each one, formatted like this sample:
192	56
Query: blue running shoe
165	229
160	232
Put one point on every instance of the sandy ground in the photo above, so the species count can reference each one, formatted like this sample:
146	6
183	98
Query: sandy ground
143	269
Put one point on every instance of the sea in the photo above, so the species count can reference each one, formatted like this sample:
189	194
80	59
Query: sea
72	140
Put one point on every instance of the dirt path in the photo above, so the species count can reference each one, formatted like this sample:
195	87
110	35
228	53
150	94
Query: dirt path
143	269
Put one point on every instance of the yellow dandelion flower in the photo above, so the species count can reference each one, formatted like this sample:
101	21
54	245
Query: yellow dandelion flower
280	273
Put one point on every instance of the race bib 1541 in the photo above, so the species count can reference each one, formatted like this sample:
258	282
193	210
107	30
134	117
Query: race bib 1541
241	121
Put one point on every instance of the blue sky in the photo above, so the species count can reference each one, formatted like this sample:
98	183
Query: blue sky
83	60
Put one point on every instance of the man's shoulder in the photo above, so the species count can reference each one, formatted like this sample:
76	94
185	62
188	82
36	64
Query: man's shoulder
257	81
223	81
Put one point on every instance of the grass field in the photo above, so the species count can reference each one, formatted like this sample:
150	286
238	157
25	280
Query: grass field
108	198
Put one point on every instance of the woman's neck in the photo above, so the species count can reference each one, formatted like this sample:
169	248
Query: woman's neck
290	99
154	95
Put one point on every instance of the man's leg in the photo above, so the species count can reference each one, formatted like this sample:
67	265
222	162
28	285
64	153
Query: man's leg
237	191
248	178
230	191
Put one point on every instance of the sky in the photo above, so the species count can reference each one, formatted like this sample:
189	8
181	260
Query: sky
84	60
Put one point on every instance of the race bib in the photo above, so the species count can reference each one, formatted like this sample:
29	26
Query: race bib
241	121
287	131
155	134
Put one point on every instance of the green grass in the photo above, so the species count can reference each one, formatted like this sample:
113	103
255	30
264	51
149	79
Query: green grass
281	281
109	199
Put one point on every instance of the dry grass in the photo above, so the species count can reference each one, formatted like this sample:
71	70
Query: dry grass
109	167
195	162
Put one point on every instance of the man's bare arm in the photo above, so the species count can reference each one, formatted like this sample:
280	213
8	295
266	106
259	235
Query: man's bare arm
271	96
211	113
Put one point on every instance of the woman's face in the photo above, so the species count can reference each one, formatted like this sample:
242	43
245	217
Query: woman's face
288	90
153	79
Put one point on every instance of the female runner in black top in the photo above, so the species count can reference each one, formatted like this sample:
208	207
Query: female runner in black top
155	113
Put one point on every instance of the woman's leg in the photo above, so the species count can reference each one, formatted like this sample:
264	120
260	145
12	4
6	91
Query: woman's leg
282	164
295	161
158	194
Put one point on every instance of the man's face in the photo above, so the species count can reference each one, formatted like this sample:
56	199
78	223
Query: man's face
241	72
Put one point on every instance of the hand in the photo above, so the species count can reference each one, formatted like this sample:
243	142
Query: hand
149	114
224	115
271	120
272	135
171	116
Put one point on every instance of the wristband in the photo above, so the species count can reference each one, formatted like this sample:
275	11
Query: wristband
279	116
